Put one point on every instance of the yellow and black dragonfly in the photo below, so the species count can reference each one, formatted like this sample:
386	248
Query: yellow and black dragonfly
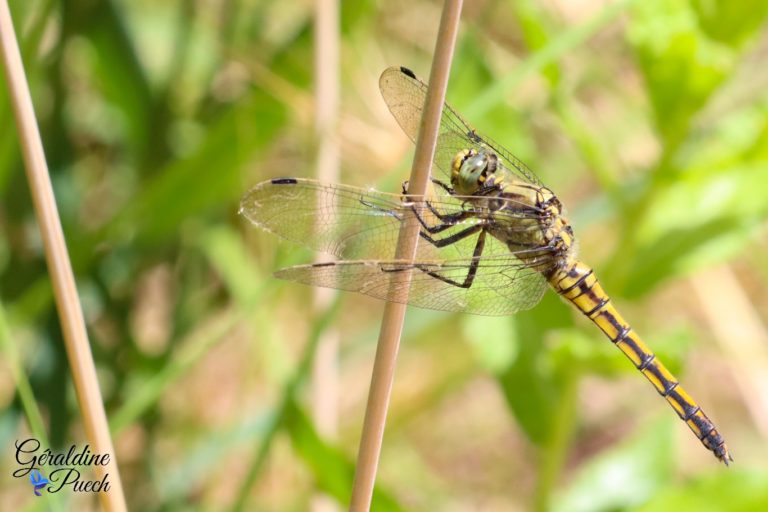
492	240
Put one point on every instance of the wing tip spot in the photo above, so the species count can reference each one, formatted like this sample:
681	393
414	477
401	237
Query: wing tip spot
284	181
408	72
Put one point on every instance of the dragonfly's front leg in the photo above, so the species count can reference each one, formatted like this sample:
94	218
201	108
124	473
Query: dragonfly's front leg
446	220
435	212
448	189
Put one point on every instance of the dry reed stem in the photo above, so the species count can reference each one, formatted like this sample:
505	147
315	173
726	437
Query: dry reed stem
327	168
62	278
394	312
325	379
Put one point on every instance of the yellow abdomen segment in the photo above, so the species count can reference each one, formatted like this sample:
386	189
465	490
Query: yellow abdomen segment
578	284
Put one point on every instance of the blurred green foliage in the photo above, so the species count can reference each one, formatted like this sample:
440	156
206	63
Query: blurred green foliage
649	118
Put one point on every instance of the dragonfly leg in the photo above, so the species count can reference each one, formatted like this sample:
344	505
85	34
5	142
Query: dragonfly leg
436	181
446	221
472	272
479	246
444	186
452	239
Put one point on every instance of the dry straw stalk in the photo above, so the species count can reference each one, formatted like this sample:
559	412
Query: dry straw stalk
394	312
62	277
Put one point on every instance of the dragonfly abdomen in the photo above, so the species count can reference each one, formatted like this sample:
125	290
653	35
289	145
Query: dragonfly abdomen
578	284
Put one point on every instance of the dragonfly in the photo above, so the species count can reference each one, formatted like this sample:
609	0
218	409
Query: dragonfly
492	240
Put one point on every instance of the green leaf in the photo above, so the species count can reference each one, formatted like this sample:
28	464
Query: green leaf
681	67
590	353
531	386
703	218
497	347
535	30
734	490
117	69
227	253
729	22
354	14
210	177
568	40
625	476
657	262
332	470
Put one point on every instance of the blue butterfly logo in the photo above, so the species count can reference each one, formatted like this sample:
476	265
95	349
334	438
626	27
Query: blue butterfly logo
38	481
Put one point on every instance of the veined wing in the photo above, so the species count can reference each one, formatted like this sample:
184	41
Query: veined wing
502	285
354	223
405	94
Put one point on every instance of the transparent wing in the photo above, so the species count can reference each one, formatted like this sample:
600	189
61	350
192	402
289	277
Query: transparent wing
404	95
354	223
502	285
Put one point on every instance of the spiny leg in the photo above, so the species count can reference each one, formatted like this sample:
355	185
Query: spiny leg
471	273
452	239
436	181
447	221
467	283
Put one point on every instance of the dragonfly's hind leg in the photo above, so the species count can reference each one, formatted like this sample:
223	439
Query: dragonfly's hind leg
452	239
471	273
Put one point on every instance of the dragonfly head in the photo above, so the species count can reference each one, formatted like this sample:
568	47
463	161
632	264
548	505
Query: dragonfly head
470	169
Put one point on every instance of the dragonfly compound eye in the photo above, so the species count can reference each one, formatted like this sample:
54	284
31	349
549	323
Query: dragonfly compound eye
470	171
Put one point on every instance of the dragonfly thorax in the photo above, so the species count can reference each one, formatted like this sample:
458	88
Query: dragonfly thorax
470	169
558	232
530	220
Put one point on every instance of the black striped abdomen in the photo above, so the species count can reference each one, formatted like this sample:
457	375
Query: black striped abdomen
579	286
